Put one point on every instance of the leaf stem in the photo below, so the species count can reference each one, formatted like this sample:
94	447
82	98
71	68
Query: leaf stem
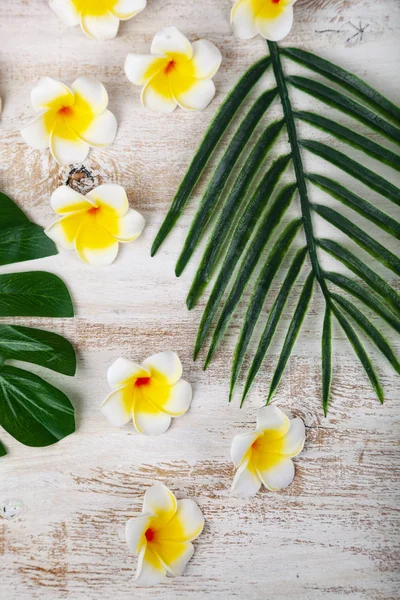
298	166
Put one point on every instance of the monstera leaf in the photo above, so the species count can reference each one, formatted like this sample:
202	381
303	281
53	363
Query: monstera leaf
31	410
249	211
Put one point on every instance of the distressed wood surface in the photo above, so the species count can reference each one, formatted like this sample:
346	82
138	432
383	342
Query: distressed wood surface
334	532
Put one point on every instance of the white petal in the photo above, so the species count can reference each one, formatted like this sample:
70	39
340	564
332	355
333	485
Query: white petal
241	444
165	366
111	195
271	418
66	11
206	59
293	442
90	91
104	27
198	96
116	409
49	93
68	151
149	570
186	525
246	482
171	41
279	476
154	100
135	530
101	131
36	133
123	371
174	556
149	421
139	68
179	399
131	226
243	20
160	501
64	200
278	28
125	9
64	231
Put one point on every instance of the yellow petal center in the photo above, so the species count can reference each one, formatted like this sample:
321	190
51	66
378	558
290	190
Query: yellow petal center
267	9
94	8
266	451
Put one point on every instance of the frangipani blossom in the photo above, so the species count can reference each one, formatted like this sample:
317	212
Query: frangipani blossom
176	72
272	19
70	120
162	535
99	19
150	394
264	456
94	224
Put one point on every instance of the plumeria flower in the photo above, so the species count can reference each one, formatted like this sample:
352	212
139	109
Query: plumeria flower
70	120
150	394
99	19
94	224
272	19
176	72
264	456
162	535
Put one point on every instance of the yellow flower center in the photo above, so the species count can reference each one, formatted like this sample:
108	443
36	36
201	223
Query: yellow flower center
266	450
267	9
94	8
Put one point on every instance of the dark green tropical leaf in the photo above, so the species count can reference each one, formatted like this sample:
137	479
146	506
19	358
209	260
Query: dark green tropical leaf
364	208
356	290
342	102
369	329
20	239
353	138
353	168
3	451
360	237
360	351
351	82
244	221
209	202
34	294
230	209
273	318
31	410
362	270
212	136
253	211
257	300
270	221
293	331
326	353
39	347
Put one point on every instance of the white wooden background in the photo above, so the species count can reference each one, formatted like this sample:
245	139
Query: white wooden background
335	532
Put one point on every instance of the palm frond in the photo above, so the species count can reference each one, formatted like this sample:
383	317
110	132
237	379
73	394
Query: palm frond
249	233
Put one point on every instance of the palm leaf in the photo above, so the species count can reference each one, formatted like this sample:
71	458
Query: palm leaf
248	215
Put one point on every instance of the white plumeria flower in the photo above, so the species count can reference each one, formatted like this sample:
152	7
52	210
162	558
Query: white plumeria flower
99	19
70	120
162	535
150	394
176	72
94	224
264	456
272	19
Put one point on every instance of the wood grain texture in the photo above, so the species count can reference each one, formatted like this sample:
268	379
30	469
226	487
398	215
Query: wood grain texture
335	532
